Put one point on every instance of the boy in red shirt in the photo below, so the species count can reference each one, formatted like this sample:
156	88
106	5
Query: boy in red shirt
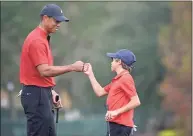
122	96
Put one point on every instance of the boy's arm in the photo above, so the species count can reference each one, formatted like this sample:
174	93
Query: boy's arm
129	88
135	102
98	89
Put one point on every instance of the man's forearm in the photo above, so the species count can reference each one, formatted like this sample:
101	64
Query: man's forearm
95	85
131	105
53	71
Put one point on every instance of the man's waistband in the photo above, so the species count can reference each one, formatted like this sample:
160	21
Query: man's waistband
49	87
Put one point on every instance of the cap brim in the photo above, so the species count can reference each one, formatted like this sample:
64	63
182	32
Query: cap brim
112	55
61	19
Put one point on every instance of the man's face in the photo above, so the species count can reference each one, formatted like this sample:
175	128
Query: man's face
51	24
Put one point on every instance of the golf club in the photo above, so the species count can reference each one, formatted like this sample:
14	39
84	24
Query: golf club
108	126
57	112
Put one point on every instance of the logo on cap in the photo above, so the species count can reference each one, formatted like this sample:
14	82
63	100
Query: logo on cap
61	11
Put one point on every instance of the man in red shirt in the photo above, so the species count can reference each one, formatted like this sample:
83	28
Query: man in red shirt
122	96
37	72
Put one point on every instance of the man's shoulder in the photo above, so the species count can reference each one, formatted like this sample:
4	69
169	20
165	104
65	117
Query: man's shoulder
34	35
31	38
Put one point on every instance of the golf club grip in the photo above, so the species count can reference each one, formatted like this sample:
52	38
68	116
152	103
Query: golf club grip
57	98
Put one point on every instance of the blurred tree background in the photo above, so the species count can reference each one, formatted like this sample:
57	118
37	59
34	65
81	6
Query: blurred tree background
159	33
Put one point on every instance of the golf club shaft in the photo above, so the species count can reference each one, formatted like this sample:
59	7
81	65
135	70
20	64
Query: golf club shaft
108	126
57	113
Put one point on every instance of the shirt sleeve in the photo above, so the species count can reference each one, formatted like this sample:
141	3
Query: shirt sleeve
107	87
129	87
38	53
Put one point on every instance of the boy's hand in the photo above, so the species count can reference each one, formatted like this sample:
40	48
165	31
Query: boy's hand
89	70
111	115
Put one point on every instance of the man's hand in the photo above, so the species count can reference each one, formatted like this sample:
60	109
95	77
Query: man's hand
111	115
57	104
79	66
89	70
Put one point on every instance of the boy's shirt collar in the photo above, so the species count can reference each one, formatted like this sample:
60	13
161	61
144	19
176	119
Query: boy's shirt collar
121	74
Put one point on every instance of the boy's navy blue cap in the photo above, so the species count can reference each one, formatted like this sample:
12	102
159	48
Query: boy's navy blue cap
126	56
53	10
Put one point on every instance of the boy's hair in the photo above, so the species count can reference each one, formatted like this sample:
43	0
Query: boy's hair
126	67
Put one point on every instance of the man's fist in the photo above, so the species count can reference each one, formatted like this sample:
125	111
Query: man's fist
79	66
58	103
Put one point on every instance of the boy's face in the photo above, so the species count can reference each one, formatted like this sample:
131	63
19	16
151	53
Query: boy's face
115	64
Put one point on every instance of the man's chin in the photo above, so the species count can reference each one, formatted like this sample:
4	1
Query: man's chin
54	30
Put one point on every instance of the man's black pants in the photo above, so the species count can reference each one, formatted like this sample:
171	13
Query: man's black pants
119	130
37	105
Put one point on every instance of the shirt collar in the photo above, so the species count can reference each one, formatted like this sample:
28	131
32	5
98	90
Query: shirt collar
121	74
42	32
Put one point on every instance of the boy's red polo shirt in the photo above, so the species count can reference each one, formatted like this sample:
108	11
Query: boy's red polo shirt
35	51
120	91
